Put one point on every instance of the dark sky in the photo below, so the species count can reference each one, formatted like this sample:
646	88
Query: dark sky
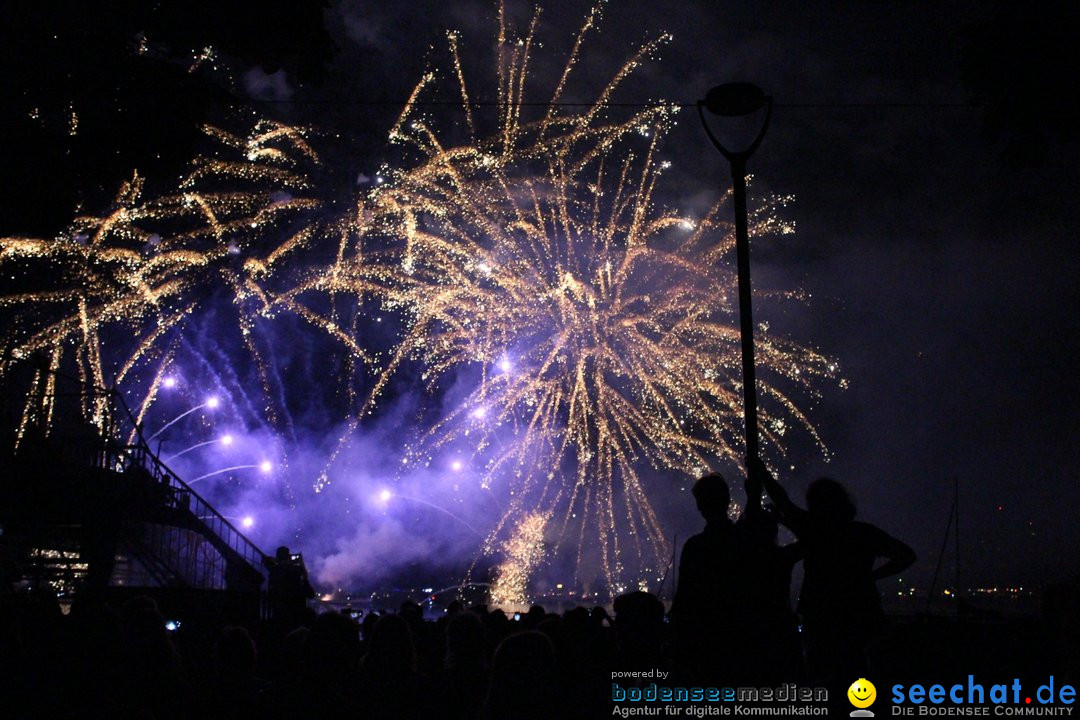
940	260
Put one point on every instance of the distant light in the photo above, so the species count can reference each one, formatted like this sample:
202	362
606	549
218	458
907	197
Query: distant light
479	412
248	521
505	365
266	466
385	495
456	465
212	402
226	439
169	382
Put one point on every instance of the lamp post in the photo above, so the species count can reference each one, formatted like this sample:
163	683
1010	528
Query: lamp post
735	100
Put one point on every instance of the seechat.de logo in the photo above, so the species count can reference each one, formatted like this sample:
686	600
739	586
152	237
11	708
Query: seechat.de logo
975	698
862	694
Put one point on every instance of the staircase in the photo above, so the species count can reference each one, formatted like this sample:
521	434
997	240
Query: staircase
91	509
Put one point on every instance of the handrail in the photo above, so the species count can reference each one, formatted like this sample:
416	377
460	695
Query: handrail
182	496
119	455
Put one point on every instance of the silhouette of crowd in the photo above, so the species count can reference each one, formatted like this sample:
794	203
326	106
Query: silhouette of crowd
731	624
732	611
471	664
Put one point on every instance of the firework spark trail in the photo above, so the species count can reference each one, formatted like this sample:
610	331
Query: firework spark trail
523	553
115	293
600	327
543	243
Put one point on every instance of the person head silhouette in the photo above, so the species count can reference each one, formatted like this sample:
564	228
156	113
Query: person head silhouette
712	496
828	500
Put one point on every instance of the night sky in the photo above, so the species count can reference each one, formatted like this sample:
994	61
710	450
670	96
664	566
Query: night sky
930	147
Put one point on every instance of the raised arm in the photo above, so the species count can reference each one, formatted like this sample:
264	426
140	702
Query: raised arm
754	488
760	474
898	556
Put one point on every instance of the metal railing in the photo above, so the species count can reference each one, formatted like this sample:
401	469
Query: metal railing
178	494
117	444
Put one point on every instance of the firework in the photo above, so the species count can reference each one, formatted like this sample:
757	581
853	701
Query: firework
522	554
596	329
115	294
600	328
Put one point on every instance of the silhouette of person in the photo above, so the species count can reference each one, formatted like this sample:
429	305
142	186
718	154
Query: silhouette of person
705	605
234	691
639	629
524	683
389	684
839	601
289	589
768	635
462	682
324	660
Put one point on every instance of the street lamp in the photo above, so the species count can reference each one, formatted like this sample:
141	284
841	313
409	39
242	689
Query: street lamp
735	100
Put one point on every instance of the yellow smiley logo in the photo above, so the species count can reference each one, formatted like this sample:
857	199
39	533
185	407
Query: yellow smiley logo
862	693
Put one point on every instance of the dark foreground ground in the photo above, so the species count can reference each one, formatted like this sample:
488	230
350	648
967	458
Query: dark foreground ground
124	662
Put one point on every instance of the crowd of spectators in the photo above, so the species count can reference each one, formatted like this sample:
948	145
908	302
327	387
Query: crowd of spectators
472	663
731	622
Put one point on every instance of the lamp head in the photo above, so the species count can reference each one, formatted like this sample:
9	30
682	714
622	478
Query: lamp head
735	99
